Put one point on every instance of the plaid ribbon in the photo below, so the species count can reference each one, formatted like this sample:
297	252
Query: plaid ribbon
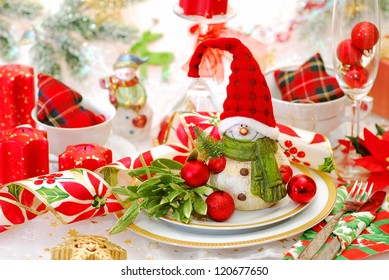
59	105
309	81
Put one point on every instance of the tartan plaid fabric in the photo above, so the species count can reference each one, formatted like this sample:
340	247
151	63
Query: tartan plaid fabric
59	105
309	81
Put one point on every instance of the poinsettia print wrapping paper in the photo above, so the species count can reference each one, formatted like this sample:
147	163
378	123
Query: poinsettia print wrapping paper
76	194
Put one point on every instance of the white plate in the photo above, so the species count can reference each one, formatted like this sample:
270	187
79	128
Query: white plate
316	211
242	221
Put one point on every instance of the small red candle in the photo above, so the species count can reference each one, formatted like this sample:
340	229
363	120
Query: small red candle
88	156
24	153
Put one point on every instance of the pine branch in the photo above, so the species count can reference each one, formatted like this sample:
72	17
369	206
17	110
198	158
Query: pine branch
45	57
207	146
8	48
25	9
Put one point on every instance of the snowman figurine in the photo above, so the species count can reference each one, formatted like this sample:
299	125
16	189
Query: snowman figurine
252	173
128	95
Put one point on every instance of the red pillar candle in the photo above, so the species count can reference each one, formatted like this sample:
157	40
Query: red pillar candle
88	156
17	91
205	8
24	153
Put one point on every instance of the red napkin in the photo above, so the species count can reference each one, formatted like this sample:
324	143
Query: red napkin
309	81
59	105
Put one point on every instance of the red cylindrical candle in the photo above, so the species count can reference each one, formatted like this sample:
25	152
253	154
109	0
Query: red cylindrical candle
88	156
18	95
24	153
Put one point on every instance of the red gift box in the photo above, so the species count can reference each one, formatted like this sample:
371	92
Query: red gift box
205	8
17	95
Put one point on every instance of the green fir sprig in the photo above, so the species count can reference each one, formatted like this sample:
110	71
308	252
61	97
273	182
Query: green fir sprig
160	192
207	146
9	11
61	38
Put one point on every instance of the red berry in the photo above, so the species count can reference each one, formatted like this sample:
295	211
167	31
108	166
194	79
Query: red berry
217	165
220	206
365	35
286	172
293	150
347	53
356	76
195	173
288	143
301	188
301	154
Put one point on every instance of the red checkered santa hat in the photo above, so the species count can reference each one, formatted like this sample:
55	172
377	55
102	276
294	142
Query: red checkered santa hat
248	96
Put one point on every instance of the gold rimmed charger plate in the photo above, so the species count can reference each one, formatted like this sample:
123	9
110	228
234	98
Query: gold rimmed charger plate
313	213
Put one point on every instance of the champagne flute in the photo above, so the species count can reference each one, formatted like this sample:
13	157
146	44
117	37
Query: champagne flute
356	55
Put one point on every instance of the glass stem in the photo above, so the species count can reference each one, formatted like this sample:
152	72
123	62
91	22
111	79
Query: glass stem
355	124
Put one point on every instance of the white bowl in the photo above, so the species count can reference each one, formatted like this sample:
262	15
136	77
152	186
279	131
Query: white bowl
329	115
59	138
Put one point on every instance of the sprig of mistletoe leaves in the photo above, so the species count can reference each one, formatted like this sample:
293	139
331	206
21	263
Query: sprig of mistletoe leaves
162	192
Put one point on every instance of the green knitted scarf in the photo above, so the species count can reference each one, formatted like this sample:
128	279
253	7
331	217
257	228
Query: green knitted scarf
266	179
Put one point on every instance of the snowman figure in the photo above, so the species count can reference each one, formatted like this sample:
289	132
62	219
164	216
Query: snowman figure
128	95
247	125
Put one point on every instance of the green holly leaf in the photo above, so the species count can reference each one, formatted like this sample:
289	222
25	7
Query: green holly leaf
15	190
52	195
110	175
328	165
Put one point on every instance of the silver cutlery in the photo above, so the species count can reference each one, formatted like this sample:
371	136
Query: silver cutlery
357	196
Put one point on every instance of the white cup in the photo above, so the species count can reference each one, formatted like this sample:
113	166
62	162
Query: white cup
59	138
302	115
329	115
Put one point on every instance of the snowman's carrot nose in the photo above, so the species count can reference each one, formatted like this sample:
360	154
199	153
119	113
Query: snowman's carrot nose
243	131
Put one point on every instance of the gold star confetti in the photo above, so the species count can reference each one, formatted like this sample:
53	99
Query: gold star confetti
72	232
128	241
153	245
53	224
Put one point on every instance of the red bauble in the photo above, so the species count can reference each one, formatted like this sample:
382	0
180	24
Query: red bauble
286	172
347	53
195	173
301	188
217	165
364	35
356	76
220	206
